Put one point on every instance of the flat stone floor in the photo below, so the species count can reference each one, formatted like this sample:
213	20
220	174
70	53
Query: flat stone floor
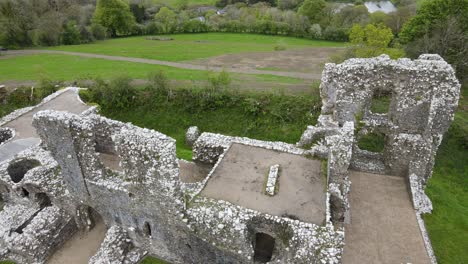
383	225
191	172
80	247
240	179
25	133
111	161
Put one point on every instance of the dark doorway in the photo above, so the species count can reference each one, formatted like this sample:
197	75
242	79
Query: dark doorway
263	248
147	229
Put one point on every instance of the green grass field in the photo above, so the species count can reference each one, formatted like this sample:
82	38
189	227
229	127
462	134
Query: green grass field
66	67
186	47
448	190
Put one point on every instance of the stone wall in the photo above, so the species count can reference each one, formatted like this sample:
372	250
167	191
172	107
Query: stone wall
423	97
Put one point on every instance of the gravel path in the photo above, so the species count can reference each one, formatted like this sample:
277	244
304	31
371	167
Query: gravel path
383	225
25	133
299	75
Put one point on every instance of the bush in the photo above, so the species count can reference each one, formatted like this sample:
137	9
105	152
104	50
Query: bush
71	34
158	83
335	34
315	31
116	94
98	31
153	28
219	81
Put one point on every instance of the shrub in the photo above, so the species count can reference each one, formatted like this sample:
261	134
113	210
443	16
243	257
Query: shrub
98	31
315	31
158	83
117	94
71	34
219	81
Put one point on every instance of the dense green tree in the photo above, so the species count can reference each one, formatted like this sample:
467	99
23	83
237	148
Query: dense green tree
372	40
16	22
440	26
115	15
71	34
312	9
431	14
167	18
289	4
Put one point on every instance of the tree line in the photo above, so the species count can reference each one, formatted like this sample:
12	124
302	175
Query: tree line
437	26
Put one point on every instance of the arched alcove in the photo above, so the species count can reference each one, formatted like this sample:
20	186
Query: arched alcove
17	169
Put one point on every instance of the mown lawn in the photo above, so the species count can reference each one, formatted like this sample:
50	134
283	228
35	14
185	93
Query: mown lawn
66	67
186	47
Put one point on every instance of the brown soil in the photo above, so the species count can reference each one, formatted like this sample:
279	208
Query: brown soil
240	179
383	225
80	247
310	60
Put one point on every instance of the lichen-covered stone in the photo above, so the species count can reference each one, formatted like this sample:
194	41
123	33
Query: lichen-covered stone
192	135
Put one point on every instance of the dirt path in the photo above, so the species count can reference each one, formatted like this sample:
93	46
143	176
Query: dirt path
80	247
25	133
299	75
383	225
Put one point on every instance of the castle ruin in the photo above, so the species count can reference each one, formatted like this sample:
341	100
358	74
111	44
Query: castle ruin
239	200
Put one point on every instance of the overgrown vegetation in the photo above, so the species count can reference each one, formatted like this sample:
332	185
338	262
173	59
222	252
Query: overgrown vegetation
373	141
215	108
25	96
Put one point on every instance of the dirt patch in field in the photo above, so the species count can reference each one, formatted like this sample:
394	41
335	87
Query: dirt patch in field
309	60
241	175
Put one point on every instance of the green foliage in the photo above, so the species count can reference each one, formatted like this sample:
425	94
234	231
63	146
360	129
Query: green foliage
16	19
373	141
166	17
117	94
432	12
115	15
27	96
441	27
372	41
71	34
98	31
381	103
275	116
219	81
312	9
